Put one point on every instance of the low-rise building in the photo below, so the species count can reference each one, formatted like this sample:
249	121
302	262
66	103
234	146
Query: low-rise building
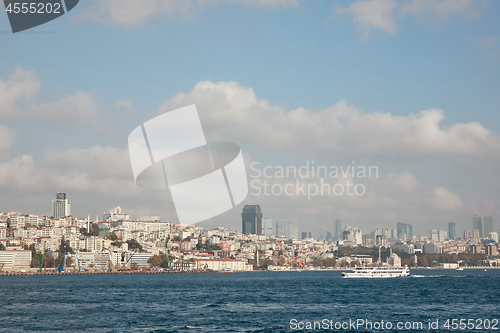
15	260
222	264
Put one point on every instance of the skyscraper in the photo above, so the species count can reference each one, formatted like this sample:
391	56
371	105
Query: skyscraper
61	206
267	224
477	224
338	230
251	220
292	228
409	231
442	235
452	230
405	231
401	229
487	225
467	234
280	227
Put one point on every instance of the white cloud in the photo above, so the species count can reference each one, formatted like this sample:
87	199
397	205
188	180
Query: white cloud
98	178
382	14
75	169
125	103
19	173
405	181
441	198
72	109
7	137
435	11
129	13
372	14
234	113
490	45
23	86
20	86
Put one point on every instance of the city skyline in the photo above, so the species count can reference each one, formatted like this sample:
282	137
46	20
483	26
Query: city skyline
255	220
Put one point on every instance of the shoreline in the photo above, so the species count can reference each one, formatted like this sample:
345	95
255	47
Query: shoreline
54	273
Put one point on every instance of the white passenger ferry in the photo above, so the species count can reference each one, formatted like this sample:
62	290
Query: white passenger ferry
377	272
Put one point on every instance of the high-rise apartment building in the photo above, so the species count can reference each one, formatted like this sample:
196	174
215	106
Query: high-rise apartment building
251	220
267	225
61	207
442	235
292	228
477	224
405	231
467	234
280	227
338	230
487	225
452	230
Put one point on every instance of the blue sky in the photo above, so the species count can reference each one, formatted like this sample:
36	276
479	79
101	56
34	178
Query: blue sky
307	55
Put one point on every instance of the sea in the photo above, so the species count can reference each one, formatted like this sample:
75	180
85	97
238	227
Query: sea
306	301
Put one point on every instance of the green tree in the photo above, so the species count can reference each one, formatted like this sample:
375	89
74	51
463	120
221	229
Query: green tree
112	236
266	263
133	244
94	230
330	262
165	262
84	232
2	247
176	239
423	261
318	262
117	243
63	247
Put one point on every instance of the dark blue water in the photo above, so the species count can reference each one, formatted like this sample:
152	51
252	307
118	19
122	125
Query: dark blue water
243	302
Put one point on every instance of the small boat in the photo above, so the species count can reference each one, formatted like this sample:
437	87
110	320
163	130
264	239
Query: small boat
459	269
227	270
485	270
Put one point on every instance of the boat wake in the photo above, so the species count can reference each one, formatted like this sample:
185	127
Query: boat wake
426	276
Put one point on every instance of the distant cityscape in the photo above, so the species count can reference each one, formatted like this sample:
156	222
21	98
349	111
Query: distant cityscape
35	243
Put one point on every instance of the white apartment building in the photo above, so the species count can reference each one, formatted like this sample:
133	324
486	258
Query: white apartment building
15	260
94	244
138	259
221	264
